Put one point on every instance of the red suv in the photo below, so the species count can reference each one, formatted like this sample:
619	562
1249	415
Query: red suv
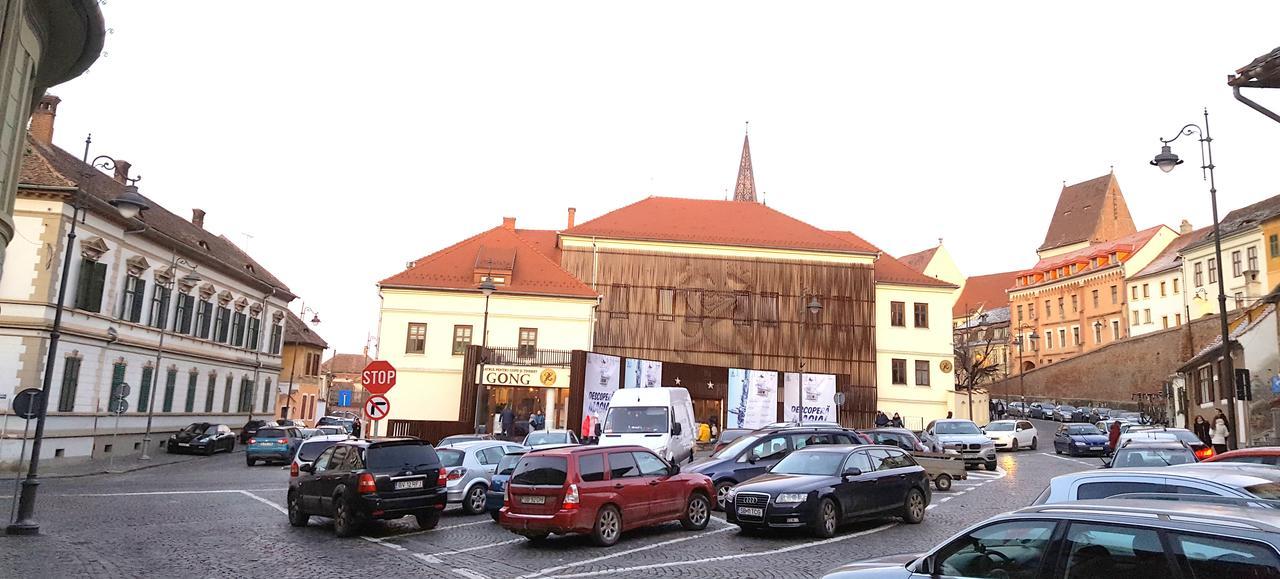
601	491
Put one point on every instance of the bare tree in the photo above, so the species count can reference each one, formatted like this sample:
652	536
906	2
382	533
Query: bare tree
973	345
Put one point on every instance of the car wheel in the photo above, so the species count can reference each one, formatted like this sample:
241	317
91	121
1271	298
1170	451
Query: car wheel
473	503
1034	442
1013	446
991	466
248	461
345	523
297	517
608	527
826	518
722	490
943	482
427	519
697	514
914	507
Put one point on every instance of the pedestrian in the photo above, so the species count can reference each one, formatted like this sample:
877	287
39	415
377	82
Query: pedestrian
1000	410
882	420
538	421
1113	436
1201	428
1219	434
948	415
355	428
713	422
896	422
508	421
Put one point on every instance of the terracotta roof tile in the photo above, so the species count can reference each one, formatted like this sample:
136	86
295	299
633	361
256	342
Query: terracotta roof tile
734	223
346	363
1081	216
891	270
454	267
296	332
544	240
984	293
919	260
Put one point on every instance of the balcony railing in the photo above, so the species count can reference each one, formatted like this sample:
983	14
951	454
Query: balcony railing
525	356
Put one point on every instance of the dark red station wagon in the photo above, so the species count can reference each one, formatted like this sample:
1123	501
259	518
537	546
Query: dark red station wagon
601	491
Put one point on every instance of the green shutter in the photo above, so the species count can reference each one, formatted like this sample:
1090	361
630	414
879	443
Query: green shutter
191	392
82	284
208	395
141	290
226	396
117	378
169	383
144	392
96	285
266	397
70	379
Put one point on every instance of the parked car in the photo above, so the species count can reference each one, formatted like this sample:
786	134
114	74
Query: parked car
332	430
249	429
1012	434
570	490
459	438
899	437
824	486
1109	538
1200	478
752	455
1084	414
497	494
660	419
540	438
469	466
343	421
1079	440
1042	410
727	436
203	437
273	444
1063	413
290	422
1265	455
962	436
356	481
1016	410
308	432
1152	453
1105	425
311	448
1201	449
1103	413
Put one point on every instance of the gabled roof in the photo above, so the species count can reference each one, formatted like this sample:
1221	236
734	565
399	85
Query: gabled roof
1130	243
346	363
297	332
49	166
1241	219
892	271
732	223
454	267
992	317
1092	211
984	293
920	259
1169	258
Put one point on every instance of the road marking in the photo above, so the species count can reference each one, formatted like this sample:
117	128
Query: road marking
391	546
419	532
1069	459
730	557
622	553
427	558
930	507
476	548
265	502
945	499
469	574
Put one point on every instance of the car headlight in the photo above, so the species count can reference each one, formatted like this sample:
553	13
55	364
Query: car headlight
791	498
729	496
989	443
1078	443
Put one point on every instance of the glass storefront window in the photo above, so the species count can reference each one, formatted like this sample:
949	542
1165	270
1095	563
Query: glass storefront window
525	402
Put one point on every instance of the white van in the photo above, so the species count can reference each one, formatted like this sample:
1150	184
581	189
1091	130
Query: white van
660	419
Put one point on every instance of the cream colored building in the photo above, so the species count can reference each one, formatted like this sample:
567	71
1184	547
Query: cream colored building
1157	296
1243	246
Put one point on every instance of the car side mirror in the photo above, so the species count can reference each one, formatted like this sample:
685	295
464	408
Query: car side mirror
851	472
753	457
307	467
675	429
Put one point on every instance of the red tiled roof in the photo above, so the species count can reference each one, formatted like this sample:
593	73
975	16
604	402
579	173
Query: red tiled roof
543	240
1169	259
1130	243
346	363
454	267
735	223
1087	211
984	292
891	270
296	332
919	260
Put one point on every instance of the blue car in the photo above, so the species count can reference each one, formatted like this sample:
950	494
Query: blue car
498	483
273	444
1080	439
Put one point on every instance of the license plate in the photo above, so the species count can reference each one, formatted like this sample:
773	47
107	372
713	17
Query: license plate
750	512
408	484
183	444
533	500
1095	448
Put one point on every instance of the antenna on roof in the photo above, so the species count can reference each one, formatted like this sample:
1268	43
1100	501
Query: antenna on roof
726	193
1113	169
763	201
746	127
939	242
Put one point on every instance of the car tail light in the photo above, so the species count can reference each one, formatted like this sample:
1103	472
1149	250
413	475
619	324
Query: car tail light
283	441
366	484
253	441
293	469
506	496
1203	453
444	477
571	498
457	473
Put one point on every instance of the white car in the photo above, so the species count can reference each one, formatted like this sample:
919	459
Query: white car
540	438
1013	434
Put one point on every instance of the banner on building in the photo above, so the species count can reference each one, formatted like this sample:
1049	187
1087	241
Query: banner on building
643	374
753	398
599	384
532	376
816	395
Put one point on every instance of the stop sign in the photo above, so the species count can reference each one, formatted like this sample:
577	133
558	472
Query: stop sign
378	377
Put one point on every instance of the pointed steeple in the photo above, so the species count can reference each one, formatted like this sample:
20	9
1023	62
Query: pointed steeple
745	190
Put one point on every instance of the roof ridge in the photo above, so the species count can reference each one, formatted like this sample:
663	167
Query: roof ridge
437	254
535	250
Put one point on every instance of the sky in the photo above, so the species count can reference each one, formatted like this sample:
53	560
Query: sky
337	141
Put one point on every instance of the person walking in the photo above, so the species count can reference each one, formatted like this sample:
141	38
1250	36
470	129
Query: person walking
538	421
1223	417
1201	428
882	420
508	421
896	422
1113	436
1219	434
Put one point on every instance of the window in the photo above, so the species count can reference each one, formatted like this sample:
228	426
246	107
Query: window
768	448
1213	270
1095	299
591	467
1048	308
1204	380
1115	295
1135	318
1048	340
1274	241
649	464
741	308
922	315
1020	309
208	392
528	345
226	395
204	315
693	305
416	342
277	332
1165	319
1146	290
1062	310
1073	268
1251	254
70	380
922	372
899	371
622	465
266	396
1198	277
967	556
1177	319
1235	263
1062	337
1175	286
1075	303
1207	557
253	342
618	306
1146	316
860	461
182	316
1097	333
221	323
1162	290
160	307
117	378
93	276
131	311
1133	291
1075	335
461	339
170	382
1115	329
768	308
191	392
144	390
1121	551
237	329
897	314
246	395
666	303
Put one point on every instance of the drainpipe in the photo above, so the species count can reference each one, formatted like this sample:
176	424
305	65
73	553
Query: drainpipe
1255	106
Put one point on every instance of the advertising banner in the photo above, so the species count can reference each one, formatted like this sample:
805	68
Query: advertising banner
643	374
753	398
817	396
600	382
525	376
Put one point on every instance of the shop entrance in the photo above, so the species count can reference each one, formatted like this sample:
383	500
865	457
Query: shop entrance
524	402
706	408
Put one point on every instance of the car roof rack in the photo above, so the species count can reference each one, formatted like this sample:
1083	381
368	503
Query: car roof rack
1150	513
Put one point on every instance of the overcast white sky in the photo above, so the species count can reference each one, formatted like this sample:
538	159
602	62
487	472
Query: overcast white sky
336	141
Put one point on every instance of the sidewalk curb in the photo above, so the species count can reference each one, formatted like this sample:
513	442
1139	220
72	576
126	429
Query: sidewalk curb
117	470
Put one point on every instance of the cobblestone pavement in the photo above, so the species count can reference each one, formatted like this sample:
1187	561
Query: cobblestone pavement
213	517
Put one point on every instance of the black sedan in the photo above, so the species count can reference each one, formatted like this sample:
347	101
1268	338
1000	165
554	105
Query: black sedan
821	487
1080	439
202	437
752	455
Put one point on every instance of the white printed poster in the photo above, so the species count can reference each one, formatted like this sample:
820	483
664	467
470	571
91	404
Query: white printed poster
817	396
753	398
643	374
601	381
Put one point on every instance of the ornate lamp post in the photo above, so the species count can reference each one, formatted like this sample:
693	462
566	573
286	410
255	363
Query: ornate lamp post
191	278
487	288
814	307
315	319
1022	381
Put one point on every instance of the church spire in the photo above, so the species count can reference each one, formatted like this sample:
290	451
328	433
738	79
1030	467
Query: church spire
745	190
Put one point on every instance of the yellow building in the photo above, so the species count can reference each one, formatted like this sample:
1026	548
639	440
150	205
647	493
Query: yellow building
301	388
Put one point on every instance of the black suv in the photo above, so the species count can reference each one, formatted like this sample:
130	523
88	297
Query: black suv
357	481
251	429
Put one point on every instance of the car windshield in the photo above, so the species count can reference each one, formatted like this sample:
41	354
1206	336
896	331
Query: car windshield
1269	490
1000	427
538	438
395	456
449	457
735	447
1065	408
311	450
446	441
646	419
813	463
956	428
1148	457
540	470
272	433
332	430
1083	429
507	464
199	428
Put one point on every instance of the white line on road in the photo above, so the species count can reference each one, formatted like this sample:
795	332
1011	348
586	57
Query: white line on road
426	558
392	546
627	552
445	528
945	499
930	507
265	502
1069	459
469	574
476	548
730	557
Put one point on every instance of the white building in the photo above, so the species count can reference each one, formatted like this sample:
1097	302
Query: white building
1157	296
1242	245
222	332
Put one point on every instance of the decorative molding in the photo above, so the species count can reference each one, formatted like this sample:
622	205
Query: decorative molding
206	291
255	309
136	265
73	354
163	275
185	285
241	304
277	317
93	248
224	298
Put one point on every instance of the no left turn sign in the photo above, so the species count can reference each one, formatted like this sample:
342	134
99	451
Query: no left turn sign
376	407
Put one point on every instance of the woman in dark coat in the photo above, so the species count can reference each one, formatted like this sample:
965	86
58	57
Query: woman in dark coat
1201	428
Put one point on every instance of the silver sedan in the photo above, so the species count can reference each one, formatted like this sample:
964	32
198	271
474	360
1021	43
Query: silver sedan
470	467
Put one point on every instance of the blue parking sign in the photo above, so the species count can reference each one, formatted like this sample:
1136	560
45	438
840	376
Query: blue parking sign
344	398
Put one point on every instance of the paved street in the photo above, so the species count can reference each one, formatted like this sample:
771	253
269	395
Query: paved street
216	516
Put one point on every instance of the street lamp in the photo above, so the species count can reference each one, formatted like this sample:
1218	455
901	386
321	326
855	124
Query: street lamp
169	286
487	288
1166	160
1022	381
287	411
813	307
128	204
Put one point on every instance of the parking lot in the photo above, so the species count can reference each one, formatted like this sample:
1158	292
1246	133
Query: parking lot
217	516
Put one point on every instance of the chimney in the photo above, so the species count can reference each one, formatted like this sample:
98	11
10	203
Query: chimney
572	211
122	172
197	218
1185	228
42	119
509	223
